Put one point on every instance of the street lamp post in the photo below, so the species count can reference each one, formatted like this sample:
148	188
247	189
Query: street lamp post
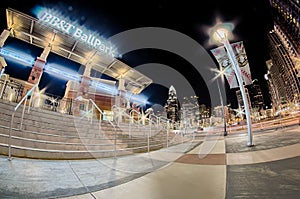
223	109
221	35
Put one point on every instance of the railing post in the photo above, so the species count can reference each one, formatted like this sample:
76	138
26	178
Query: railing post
139	120
118	116
115	135
12	120
29	105
150	122
182	134
148	142
24	106
9	138
168	127
129	127
115	144
92	115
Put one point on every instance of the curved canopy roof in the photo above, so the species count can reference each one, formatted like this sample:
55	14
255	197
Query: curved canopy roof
33	31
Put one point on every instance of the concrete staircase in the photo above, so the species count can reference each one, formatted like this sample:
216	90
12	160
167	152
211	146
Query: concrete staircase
51	135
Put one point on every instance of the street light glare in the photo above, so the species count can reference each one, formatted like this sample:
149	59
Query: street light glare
220	31
220	34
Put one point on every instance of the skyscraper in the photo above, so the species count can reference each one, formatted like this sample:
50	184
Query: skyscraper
240	99
275	98
286	14
172	105
190	112
285	50
282	71
255	93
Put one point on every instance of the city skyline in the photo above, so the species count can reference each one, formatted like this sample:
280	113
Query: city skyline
150	99
192	24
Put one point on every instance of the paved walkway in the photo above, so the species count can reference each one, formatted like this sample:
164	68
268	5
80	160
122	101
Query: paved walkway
214	167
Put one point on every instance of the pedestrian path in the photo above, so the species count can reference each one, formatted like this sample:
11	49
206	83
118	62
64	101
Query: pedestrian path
35	178
183	178
205	168
264	155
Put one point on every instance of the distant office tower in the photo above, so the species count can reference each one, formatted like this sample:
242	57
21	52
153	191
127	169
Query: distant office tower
240	99
172	105
274	93
257	100
283	70
190	112
285	49
204	111
286	15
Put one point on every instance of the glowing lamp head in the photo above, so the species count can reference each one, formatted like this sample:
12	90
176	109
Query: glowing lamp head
220	34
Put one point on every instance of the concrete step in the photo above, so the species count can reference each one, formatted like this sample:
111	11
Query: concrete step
44	116
55	129
17	151
49	145
50	135
48	139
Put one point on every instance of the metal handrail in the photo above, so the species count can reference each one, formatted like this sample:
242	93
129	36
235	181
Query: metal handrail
164	118
115	136
130	123
135	111
149	135
150	123
115	107
124	114
156	117
165	121
146	114
12	118
100	111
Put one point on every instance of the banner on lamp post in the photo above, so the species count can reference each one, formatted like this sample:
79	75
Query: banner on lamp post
240	54
241	57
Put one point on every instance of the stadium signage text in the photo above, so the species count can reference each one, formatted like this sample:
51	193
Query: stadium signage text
77	32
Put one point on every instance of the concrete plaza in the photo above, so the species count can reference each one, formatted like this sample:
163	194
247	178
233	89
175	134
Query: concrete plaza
211	166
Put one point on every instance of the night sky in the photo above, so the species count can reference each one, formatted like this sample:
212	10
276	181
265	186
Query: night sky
252	21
